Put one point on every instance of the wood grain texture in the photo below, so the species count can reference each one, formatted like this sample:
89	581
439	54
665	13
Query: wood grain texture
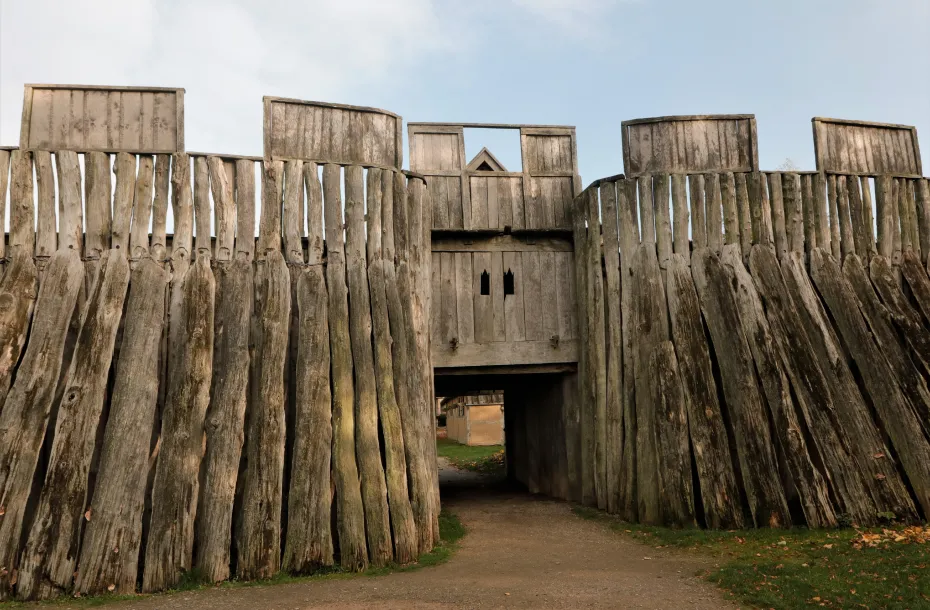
4	183
224	210
18	289
25	414
46	235
614	345
113	536
125	170
176	487
22	211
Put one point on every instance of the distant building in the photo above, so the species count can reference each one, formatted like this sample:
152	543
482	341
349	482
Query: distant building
475	420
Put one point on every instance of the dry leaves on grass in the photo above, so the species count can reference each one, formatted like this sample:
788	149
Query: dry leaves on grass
908	535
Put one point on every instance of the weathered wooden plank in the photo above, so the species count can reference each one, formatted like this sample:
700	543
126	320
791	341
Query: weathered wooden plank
22	210
498	331
698	217
820	217
730	213
350	520
97	190
259	543
718	488
629	238
224	210
292	215
647	224
844	217
885	204
897	234
762	339
915	274
109	559
401	514
142	208
682	240
367	449
125	170
514	304
202	216
745	216
760	210
794	211
448	302
891	405
585	454
923	216
836	247
879	474
46	237
663	219
596	343
269	230
70	205
777	201
245	209
649	330
314	213
754	445
25	414
712	206
674	452
862	232
532	293
614	340
868	217
911	206
176	486
809	214
159	246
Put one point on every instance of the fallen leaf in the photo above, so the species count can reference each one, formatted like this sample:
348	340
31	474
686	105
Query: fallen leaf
87	515
111	587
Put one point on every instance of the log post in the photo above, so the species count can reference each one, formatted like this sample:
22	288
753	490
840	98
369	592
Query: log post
629	241
586	385
712	204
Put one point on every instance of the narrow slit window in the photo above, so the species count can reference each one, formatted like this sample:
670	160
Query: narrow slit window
485	283
508	282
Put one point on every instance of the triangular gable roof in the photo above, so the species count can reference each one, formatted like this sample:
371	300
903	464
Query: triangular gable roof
486	158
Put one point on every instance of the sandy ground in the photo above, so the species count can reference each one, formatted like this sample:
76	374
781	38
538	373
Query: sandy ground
520	552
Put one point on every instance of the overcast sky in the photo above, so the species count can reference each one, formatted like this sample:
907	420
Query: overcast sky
588	63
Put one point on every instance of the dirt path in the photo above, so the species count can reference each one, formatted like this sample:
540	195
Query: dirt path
520	552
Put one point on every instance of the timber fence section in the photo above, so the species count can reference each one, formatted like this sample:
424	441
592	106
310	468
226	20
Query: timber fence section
207	401
756	354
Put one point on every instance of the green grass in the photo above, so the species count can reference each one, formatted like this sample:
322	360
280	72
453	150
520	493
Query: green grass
787	569
487	459
451	531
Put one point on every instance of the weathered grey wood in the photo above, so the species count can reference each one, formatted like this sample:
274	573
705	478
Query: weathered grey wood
4	183
677	490
22	206
848	243
744	403
728	200
614	349
912	215
49	559
868	217
760	210
836	246
862	232
125	170
884	206
682	240
586	385
809	213
70	205
629	238
712	205
141	207
786	428
897	233
698	216
794	211
25	414
97	190
915	274
812	392
109	559
923	216
17	289
225	418
718	488
904	217
821	222
309	544
203	243
777	201
350	519
647	221
224	210
649	330
269	230
258	543
367	447
46	237
744	215
879	474
891	405
292	218
176	487
895	308
663	220
401	514
159	247
245	209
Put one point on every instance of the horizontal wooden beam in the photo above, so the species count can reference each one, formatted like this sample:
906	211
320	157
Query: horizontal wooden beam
502	243
504	353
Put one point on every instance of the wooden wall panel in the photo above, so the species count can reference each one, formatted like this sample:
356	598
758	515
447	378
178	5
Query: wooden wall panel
112	119
687	144
858	147
496	201
332	133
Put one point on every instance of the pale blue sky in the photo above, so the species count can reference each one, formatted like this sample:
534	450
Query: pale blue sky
588	63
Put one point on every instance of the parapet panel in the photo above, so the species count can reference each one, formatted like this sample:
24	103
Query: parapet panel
482	195
85	118
860	147
690	144
332	133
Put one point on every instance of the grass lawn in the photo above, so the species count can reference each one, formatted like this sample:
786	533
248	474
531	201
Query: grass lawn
786	569
451	531
487	459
